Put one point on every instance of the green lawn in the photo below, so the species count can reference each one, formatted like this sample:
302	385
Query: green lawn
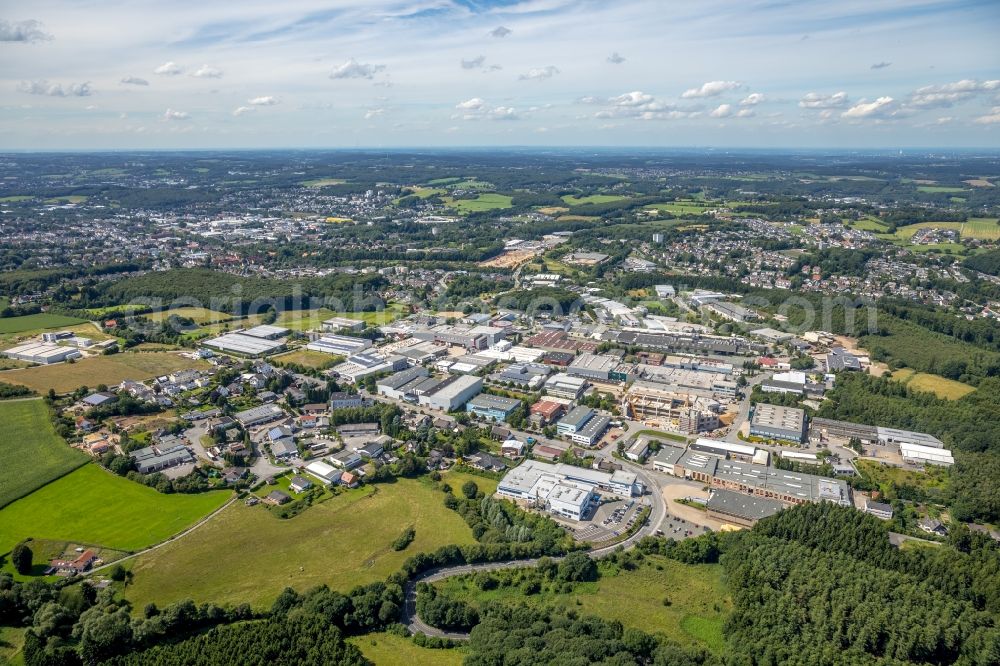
247	554
16	198
982	228
698	599
938	189
679	207
305	320
11	640
32	452
109	370
486	201
391	650
36	322
574	200
309	358
929	480
323	182
942	387
93	506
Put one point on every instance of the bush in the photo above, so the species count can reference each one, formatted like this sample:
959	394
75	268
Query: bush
21	557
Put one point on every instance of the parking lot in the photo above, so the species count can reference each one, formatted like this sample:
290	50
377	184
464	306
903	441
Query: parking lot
611	519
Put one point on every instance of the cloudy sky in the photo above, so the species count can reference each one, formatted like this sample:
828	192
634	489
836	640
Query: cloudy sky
300	73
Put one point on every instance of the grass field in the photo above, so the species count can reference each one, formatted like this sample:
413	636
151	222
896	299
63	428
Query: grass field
72	198
309	358
868	224
935	478
698	598
982	228
200	316
248	554
485	201
110	370
323	182
939	189
948	389
679	207
16	198
12	638
93	506
305	320
573	200
32	452
36	322
391	650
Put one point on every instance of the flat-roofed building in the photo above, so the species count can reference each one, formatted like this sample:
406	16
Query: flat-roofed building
43	353
917	454
453	393
255	416
666	458
593	366
325	472
830	430
394	386
740	508
574	420
266	332
493	407
562	385
334	324
777	422
533	483
340	345
155	458
878	509
545	412
724	449
241	344
896	436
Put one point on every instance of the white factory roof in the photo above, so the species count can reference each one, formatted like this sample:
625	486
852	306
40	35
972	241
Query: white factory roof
241	343
266	331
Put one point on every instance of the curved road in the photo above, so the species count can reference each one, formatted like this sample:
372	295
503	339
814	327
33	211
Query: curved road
416	625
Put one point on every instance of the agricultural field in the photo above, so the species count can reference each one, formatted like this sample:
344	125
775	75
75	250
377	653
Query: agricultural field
939	189
574	200
72	199
868	224
942	387
200	316
309	358
36	322
981	228
483	202
94	506
249	554
385	649
698	599
32	452
16	198
305	320
679	207
109	370
323	182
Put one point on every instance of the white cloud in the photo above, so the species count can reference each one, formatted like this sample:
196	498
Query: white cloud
945	95
880	107
241	110
207	72
169	68
478	109
881	65
352	69
634	98
23	31
711	89
745	113
266	100
471	104
589	99
753	99
42	87
170	114
722	111
822	101
373	113
540	73
473	63
992	118
500	32
134	81
616	59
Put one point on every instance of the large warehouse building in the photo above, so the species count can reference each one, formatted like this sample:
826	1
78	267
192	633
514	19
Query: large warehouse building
776	422
453	393
42	352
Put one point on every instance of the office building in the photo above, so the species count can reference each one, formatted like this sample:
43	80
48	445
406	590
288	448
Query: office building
561	385
492	407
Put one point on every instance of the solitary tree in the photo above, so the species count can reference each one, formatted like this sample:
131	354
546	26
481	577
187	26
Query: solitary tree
470	489
21	557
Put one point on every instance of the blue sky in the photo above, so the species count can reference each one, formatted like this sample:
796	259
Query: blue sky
254	74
